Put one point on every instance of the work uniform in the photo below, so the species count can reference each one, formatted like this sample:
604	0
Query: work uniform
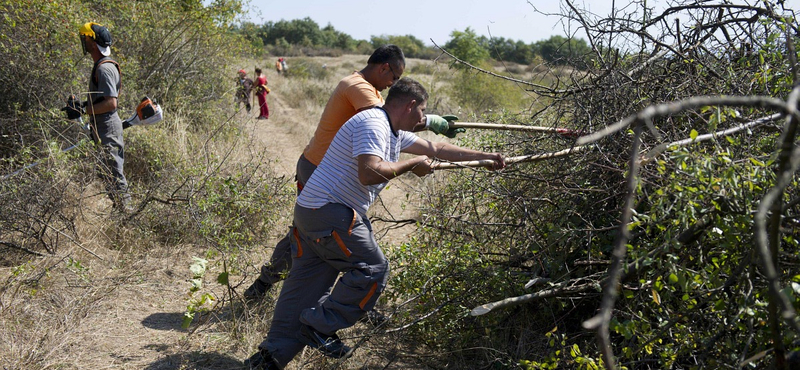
243	88
352	94
332	235
106	128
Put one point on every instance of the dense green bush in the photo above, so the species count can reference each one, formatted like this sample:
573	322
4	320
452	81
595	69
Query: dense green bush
480	93
693	292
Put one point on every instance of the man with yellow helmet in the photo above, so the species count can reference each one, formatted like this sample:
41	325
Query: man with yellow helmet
106	126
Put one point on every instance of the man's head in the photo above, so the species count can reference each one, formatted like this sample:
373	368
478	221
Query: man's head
387	64
95	37
408	99
242	73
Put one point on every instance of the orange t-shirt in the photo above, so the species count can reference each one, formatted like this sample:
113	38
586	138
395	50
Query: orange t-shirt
352	94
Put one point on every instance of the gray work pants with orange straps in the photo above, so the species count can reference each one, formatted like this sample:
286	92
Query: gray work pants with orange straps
327	242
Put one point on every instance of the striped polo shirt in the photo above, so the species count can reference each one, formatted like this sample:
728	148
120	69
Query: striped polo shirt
336	178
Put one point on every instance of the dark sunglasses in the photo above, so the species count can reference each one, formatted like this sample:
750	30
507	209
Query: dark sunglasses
395	77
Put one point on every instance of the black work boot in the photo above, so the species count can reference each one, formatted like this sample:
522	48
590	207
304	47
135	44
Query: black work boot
257	290
261	360
328	345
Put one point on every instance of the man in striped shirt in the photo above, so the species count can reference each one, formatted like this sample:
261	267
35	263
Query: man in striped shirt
333	237
359	91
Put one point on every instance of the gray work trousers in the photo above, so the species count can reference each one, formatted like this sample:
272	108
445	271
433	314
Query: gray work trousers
326	242
281	260
107	133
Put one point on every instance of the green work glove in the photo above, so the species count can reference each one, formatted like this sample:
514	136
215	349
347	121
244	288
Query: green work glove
441	125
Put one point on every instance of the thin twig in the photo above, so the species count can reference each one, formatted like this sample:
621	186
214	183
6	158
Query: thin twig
16	246
65	235
497	75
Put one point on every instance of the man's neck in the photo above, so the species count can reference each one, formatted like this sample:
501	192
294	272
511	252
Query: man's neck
96	55
370	73
394	114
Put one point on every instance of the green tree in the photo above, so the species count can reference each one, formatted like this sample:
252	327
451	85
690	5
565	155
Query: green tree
412	46
467	46
294	31
560	50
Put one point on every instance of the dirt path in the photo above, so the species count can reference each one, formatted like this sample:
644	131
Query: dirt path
124	311
284	137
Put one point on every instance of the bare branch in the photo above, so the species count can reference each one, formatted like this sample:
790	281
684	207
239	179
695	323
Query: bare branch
767	236
691	103
601	322
17	246
650	155
550	90
511	160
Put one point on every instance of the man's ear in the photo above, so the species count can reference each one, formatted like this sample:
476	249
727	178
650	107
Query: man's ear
410	105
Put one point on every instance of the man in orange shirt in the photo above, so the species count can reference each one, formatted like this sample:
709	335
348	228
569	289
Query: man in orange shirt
354	93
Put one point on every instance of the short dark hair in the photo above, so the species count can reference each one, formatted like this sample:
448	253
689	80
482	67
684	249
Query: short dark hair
407	88
388	54
258	70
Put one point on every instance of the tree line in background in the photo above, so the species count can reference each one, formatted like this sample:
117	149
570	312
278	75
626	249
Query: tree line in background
306	37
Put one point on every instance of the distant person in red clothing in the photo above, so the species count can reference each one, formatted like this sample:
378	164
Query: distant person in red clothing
261	92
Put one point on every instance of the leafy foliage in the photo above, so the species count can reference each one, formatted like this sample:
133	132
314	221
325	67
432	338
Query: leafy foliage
693	292
466	46
412	46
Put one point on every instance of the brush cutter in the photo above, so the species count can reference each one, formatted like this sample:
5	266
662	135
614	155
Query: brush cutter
146	113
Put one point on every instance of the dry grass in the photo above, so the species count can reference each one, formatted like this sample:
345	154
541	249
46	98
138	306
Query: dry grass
114	298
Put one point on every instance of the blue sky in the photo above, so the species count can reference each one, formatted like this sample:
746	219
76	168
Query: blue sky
425	19
435	19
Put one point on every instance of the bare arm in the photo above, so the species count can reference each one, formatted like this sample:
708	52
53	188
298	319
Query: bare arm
374	170
107	105
450	152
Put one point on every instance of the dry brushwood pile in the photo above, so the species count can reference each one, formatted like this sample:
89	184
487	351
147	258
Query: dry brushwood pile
671	244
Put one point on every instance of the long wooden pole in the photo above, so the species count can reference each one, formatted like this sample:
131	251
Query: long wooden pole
496	126
511	160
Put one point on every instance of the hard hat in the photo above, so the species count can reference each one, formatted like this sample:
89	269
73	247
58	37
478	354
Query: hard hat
99	34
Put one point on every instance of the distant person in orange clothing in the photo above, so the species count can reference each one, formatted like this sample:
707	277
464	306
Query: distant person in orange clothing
261	92
278	66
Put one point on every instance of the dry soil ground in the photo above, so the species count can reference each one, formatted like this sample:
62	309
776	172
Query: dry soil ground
117	311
